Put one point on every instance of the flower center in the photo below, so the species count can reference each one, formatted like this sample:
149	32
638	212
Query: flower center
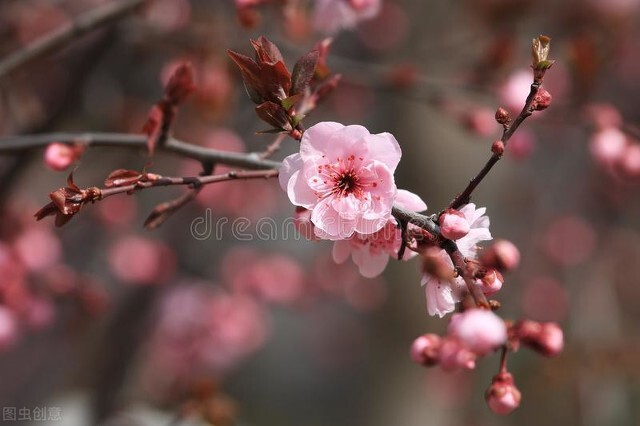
347	183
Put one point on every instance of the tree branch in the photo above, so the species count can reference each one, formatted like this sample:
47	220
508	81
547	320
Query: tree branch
253	161
61	36
465	196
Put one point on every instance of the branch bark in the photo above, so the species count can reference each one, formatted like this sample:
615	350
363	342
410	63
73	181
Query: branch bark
59	37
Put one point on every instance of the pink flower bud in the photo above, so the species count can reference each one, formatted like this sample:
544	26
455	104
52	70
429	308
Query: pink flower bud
480	330
59	156
424	350
453	225
541	100
498	148
502	255
491	282
503	396
454	355
608	146
545	338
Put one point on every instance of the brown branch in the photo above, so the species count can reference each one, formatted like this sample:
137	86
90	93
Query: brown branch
509	129
192	181
61	36
13	144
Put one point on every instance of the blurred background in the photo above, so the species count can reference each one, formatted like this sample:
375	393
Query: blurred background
104	322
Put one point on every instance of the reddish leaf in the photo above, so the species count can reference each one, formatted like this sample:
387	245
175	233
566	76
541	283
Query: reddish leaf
152	127
275	115
251	75
181	84
48	210
303	72
266	51
122	177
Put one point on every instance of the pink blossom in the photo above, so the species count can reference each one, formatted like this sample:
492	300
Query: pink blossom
332	16
442	295
503	396
546	338
38	248
141	261
344	175
371	252
480	330
515	89
608	146
453	225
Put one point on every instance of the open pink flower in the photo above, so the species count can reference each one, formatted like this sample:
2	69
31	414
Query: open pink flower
371	252
344	175
331	16
442	295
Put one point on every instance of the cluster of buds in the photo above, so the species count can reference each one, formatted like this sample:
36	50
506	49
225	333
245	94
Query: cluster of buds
284	98
475	333
472	334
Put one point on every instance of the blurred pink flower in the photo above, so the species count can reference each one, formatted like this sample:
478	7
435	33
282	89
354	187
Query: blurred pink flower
371	252
141	261
38	248
442	295
480	330
608	146
275	278
454	355
8	327
344	175
332	16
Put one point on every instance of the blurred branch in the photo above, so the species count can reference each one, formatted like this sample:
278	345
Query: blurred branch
59	37
14	144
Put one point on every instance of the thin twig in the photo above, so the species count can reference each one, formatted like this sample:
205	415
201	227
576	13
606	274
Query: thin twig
465	196
13	144
273	146
193	181
61	36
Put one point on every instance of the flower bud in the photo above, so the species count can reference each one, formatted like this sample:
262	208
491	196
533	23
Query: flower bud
491	282
545	338
424	349
498	148
59	156
502	116
503	396
480	330
502	255
541	100
454	355
453	225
